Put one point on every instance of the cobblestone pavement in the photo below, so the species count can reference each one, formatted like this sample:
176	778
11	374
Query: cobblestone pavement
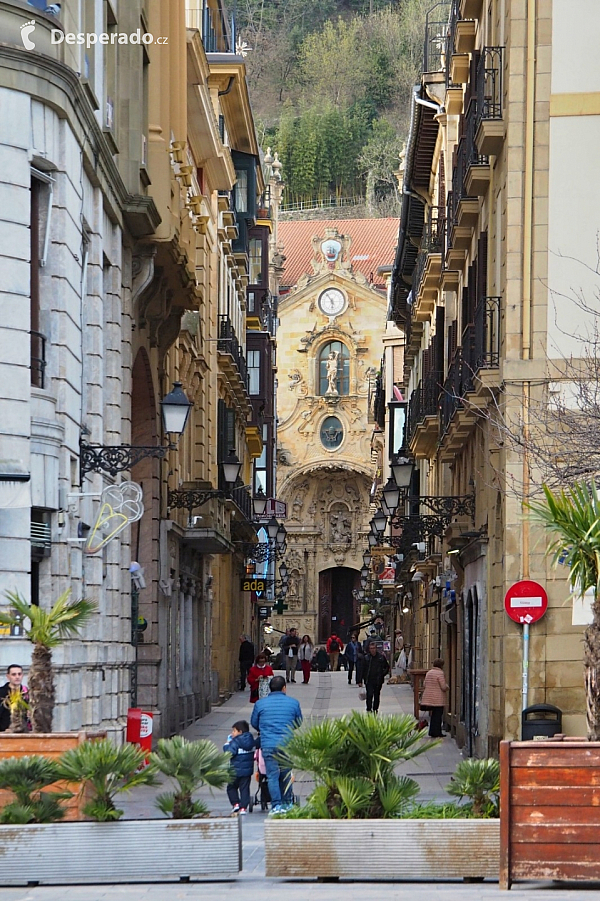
326	694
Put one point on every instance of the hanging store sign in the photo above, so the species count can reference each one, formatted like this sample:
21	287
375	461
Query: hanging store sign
253	584
120	505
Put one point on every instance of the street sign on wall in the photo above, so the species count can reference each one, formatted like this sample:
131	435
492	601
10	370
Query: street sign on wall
526	602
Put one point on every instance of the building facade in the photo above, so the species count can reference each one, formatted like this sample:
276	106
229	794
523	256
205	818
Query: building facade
328	351
132	186
496	249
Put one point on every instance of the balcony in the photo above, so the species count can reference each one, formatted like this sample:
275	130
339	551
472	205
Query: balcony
478	170
231	356
214	29
471	376
436	27
470	9
429	264
424	416
462	207
457	61
489	126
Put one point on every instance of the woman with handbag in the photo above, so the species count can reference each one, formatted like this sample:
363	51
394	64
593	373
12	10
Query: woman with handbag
434	697
259	677
305	656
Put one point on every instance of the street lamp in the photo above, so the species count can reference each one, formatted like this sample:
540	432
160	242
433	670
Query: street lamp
373	540
402	467
231	468
175	408
380	520
391	495
259	503
364	573
367	558
280	535
283	570
272	528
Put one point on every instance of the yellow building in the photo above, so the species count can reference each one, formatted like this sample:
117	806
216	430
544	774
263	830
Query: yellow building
332	309
497	242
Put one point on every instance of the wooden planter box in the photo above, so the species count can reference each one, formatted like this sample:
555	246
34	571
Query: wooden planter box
46	744
125	851
383	849
549	810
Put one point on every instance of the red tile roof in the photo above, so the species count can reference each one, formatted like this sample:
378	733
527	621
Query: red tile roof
373	245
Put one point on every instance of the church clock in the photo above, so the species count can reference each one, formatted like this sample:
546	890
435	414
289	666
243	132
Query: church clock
331	301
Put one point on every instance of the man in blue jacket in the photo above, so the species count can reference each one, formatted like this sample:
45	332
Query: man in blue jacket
274	717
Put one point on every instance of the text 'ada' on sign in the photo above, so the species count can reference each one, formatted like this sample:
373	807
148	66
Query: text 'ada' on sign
526	602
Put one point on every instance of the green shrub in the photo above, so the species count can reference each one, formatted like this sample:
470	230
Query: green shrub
478	780
105	770
25	777
191	764
352	760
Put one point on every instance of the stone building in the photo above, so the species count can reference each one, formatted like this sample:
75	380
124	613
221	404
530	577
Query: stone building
497	246
131	191
332	310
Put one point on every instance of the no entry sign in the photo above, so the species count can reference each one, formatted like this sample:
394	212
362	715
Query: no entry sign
526	602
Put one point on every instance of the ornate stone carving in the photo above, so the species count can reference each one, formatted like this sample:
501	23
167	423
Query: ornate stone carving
297	383
340	525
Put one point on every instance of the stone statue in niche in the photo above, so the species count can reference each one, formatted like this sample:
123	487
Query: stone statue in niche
340	526
298	501
332	372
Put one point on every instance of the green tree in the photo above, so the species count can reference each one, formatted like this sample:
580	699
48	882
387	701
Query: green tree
46	630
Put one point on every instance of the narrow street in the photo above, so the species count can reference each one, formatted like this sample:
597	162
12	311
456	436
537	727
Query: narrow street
326	695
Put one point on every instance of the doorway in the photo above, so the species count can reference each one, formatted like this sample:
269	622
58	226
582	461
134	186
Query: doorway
338	610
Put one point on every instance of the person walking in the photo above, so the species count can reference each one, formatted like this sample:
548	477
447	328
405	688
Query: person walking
433	697
246	658
305	656
375	669
322	659
260	671
354	656
334	646
274	717
240	744
290	653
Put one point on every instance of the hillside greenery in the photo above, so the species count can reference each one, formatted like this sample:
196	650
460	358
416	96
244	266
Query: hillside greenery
330	84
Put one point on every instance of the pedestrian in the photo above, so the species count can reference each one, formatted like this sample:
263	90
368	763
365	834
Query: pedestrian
282	641
15	683
398	644
305	656
322	659
433	697
240	744
259	677
246	658
334	646
274	717
290	653
374	671
354	656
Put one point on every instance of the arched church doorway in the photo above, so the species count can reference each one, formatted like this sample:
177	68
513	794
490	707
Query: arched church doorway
338	609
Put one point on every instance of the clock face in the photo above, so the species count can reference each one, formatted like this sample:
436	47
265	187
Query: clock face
331	302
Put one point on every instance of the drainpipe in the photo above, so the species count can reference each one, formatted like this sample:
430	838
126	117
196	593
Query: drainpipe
527	251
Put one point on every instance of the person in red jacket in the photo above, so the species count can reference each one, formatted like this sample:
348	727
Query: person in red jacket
335	646
260	670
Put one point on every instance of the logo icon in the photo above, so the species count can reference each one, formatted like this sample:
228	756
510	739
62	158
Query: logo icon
27	29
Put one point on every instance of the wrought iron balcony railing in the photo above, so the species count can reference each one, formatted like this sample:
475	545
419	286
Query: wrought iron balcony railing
423	402
487	334
454	17
229	344
436	28
243	500
489	84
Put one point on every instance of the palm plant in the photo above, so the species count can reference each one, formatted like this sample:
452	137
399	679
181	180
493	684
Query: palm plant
352	760
573	516
18	707
478	780
191	764
25	777
46	630
105	770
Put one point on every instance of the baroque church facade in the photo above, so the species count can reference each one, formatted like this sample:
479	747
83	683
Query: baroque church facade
329	337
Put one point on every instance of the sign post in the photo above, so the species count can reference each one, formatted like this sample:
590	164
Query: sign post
525	603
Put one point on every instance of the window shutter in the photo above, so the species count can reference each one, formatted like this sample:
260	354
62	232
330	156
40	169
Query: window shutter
482	249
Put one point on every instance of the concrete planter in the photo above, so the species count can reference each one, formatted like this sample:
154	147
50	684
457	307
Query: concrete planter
125	851
383	849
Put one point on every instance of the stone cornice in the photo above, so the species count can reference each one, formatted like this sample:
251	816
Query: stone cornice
58	86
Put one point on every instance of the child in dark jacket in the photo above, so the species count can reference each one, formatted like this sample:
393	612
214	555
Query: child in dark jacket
240	745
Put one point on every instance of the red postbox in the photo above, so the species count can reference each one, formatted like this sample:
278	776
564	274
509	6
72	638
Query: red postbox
139	729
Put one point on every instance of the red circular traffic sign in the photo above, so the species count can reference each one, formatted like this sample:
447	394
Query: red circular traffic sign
526	602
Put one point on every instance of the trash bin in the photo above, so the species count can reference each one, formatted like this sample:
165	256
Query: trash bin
540	721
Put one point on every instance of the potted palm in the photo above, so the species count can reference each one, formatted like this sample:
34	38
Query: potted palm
359	817
549	808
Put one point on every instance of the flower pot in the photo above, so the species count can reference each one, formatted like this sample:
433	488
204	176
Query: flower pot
51	744
549	810
383	849
125	851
